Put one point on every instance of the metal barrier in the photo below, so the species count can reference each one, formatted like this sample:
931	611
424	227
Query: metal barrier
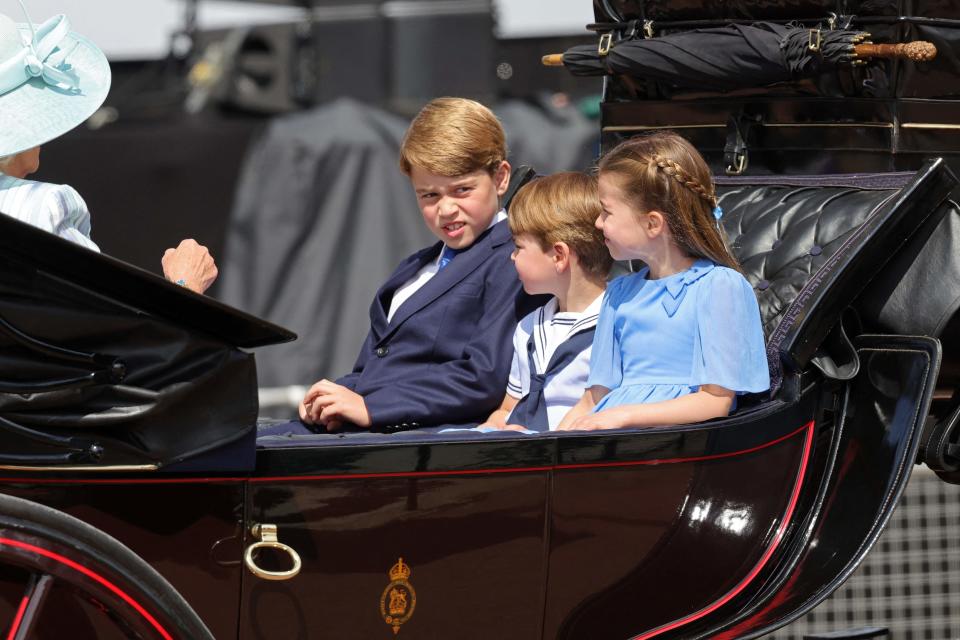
910	581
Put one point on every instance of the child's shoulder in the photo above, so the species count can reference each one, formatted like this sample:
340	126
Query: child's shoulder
529	321
525	327
626	282
721	278
727	291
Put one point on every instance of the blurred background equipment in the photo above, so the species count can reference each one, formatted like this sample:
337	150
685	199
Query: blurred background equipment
394	53
260	68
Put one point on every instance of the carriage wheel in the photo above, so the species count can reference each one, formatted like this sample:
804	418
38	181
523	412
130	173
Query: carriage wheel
68	579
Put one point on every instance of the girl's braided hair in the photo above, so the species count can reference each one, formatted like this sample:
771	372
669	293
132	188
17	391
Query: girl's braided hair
663	172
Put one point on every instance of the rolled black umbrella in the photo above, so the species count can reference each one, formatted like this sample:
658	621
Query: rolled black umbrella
732	57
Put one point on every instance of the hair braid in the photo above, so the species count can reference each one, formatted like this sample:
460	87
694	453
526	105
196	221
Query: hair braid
647	166
678	173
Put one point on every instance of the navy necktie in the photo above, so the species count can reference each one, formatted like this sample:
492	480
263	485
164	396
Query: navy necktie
446	257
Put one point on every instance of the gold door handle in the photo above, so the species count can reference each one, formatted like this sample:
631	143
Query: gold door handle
267	534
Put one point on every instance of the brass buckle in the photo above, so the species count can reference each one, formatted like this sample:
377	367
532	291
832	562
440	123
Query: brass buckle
816	39
740	167
606	41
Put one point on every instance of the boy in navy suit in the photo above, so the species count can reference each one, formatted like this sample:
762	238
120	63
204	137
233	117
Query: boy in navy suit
438	351
559	251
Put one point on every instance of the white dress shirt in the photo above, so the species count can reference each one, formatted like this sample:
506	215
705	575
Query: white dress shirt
423	276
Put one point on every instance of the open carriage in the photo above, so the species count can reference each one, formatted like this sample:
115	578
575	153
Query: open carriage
130	404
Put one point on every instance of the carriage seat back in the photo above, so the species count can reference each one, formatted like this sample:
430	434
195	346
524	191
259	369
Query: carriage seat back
809	245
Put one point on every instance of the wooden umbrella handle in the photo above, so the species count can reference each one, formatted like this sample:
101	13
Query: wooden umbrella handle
552	60
918	50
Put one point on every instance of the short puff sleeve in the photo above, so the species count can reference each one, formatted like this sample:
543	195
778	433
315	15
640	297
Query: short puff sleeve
519	366
729	346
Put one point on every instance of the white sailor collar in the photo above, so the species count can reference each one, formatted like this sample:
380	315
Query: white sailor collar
544	317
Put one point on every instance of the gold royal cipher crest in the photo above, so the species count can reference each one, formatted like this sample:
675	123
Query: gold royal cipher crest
399	599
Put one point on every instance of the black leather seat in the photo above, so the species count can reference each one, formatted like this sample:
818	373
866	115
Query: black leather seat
782	234
784	230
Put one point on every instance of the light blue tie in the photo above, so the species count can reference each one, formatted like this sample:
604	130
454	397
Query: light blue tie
446	257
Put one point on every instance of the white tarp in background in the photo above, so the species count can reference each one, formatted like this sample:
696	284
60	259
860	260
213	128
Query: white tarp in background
140	29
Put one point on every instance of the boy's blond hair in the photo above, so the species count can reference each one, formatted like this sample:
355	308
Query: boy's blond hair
452	137
563	207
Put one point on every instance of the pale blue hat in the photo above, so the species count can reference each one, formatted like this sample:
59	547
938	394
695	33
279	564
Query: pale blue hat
51	80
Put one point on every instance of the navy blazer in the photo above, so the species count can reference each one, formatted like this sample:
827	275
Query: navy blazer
445	356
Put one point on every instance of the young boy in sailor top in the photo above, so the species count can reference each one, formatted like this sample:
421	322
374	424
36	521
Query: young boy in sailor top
438	351
558	251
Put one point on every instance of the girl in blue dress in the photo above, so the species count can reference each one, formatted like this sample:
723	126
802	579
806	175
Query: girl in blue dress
678	340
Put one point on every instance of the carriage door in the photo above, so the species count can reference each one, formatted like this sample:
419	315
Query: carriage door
428	540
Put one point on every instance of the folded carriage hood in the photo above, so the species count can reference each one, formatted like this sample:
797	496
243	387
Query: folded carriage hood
106	366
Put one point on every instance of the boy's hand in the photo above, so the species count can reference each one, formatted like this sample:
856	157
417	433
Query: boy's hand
331	404
501	426
497	419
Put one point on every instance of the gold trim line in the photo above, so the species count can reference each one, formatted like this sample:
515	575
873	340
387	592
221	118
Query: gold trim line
929	125
799	125
114	468
663	126
767	125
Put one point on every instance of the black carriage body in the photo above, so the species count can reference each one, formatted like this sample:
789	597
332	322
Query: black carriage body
675	534
727	529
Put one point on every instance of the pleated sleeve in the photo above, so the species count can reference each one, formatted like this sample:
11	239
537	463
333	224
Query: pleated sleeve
67	215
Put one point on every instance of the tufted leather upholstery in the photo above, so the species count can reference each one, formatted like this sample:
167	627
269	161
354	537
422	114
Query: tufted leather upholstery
783	234
783	230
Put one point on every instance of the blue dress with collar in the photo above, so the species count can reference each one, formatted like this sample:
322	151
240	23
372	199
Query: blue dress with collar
661	339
